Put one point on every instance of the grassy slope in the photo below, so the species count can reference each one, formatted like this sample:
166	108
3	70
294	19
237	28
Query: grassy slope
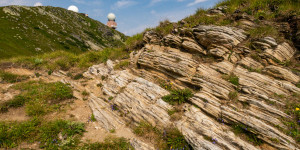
50	29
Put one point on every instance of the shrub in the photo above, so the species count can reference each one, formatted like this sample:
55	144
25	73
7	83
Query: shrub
177	97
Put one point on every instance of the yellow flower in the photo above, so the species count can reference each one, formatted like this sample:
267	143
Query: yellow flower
171	83
297	109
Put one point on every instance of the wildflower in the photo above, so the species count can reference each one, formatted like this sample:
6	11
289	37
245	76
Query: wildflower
297	109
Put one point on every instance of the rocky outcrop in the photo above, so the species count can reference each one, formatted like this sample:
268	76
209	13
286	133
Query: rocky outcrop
218	105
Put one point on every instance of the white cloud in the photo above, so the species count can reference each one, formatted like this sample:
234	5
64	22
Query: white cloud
180	0
153	12
79	1
196	2
154	1
16	2
123	4
38	4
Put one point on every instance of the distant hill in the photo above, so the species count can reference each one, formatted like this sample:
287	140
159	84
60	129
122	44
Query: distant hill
35	30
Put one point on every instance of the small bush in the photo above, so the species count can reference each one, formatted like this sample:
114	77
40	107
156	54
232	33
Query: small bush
11	78
177	97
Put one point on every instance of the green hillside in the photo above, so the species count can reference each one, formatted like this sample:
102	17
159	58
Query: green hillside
36	30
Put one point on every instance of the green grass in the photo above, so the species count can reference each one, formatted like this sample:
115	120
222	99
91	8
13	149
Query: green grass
40	31
122	64
266	8
134	42
165	27
169	138
61	60
11	78
233	95
177	97
111	143
239	129
232	78
292	108
13	133
85	93
93	119
264	31
39	98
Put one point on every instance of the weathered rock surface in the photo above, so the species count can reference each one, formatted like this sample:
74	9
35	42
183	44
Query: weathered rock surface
281	73
168	60
211	36
250	63
283	52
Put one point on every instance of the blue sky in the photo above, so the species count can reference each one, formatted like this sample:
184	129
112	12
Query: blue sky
133	16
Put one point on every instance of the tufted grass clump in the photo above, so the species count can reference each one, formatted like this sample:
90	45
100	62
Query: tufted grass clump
232	78
7	77
39	98
122	64
110	143
47	133
241	129
169	138
233	95
177	97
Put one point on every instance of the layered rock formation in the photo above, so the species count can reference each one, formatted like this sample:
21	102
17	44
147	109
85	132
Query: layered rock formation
212	112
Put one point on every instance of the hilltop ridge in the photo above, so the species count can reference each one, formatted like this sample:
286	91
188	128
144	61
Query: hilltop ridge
35	30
